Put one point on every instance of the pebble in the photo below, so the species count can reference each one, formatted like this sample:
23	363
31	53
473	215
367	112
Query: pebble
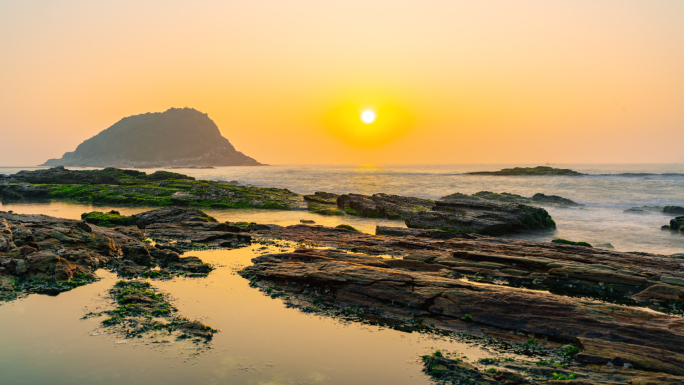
120	342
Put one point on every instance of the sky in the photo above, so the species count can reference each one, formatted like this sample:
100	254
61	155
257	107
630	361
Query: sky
525	81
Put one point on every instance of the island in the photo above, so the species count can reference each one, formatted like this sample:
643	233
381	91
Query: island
526	171
177	137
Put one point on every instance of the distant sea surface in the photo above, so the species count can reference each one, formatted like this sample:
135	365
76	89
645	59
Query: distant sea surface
606	192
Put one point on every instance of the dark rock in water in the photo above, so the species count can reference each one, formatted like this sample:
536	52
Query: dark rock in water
539	170
505	197
644	210
175	138
673	210
482	218
677	224
383	205
171	215
554	199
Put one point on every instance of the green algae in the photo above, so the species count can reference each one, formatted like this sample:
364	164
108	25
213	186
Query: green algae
110	219
346	227
566	242
135	188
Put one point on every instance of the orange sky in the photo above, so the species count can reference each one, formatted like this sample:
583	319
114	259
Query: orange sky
459	81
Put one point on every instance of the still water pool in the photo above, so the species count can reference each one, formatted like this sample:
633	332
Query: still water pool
43	339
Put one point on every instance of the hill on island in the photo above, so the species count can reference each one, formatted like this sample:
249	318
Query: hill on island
177	137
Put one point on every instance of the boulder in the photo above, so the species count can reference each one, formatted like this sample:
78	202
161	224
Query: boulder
482	218
677	224
383	205
171	215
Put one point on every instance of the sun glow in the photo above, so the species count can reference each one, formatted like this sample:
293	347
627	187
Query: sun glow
368	116
364	123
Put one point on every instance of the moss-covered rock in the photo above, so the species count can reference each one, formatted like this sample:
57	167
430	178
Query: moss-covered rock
504	197
110	219
346	227
136	188
566	242
539	170
673	210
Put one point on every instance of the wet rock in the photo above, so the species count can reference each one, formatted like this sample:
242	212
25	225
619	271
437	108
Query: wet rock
322	197
436	234
382	205
197	329
50	255
554	199
482	218
677	224
424	285
60	175
639	357
676	210
143	311
455	371
171	215
138	253
644	210
505	197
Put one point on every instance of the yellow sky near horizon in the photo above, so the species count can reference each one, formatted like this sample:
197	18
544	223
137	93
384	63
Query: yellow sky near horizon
460	81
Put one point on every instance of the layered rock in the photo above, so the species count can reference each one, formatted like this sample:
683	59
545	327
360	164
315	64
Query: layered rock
383	205
491	287
323	203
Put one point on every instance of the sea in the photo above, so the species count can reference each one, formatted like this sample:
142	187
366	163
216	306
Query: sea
606	192
47	340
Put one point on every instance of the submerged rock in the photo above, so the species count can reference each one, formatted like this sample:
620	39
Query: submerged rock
673	210
143	311
505	197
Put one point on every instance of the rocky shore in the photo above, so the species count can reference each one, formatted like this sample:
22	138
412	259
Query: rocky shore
115	186
618	315
48	255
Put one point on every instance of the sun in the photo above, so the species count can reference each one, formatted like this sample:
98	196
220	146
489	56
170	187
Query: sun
368	116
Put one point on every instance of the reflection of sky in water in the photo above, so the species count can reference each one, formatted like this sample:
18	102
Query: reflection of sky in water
601	220
261	341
